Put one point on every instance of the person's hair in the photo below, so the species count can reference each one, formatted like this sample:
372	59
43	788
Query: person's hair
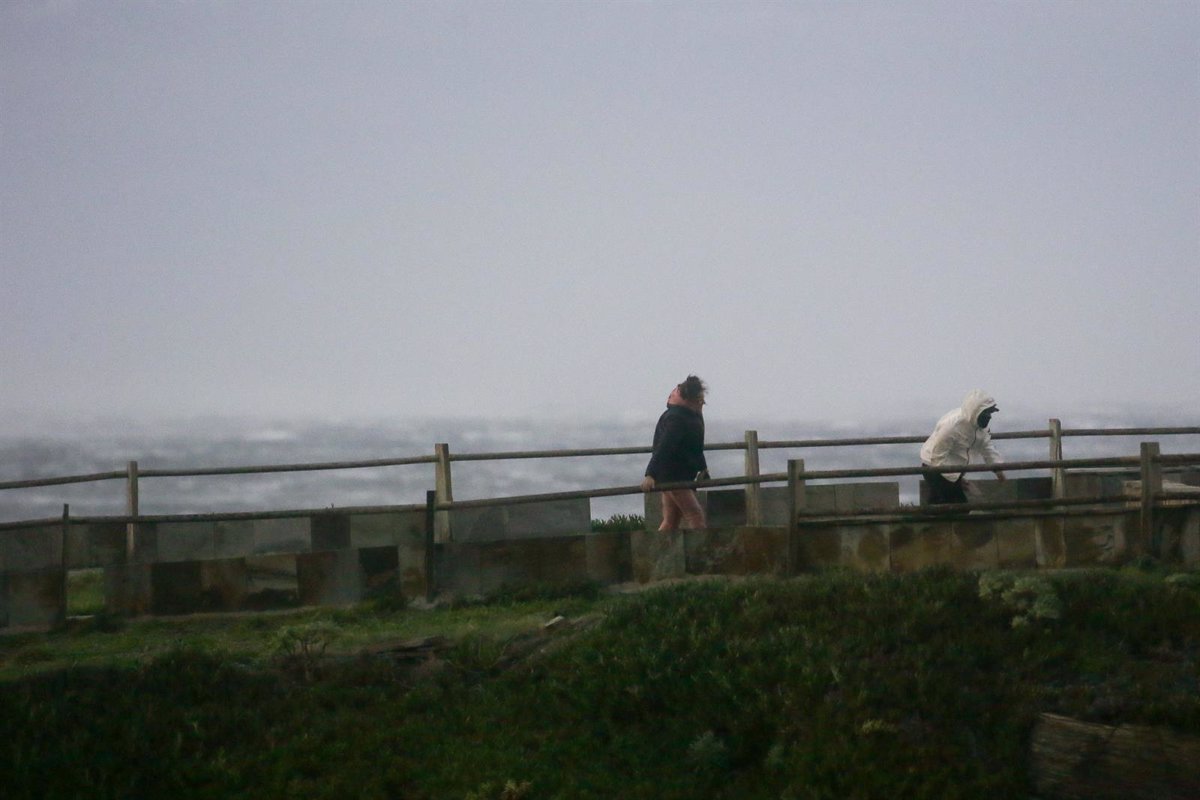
692	388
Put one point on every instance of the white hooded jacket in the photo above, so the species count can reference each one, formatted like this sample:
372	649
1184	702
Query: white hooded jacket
957	435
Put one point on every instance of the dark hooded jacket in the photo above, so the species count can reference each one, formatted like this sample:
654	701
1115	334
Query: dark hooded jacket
678	446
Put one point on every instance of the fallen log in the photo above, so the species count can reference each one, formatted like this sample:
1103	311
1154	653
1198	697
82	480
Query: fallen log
1076	760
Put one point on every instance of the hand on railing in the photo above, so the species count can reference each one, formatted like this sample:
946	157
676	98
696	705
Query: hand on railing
647	484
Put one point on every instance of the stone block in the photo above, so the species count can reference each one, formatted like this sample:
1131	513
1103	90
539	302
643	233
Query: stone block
479	524
725	508
820	497
608	557
740	550
386	529
233	538
3	600
330	531
1051	548
554	518
973	544
380	566
816	547
1097	483
95	545
31	549
145	542
775	504
456	569
185	541
127	588
1092	540
286	535
1016	543
333	577
508	563
850	497
563	560
919	545
223	584
410	535
866	548
656	555
34	600
176	587
271	582
1189	539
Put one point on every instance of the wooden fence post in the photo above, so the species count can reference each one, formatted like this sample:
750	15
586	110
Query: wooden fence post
444	488
1151	486
66	529
430	516
131	509
1058	475
753	493
797	502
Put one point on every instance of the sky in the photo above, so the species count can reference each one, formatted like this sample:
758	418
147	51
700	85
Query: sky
828	211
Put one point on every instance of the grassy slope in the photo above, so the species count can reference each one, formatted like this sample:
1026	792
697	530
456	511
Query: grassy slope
828	686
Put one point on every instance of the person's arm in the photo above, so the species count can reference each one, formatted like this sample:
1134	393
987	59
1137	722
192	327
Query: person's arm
990	454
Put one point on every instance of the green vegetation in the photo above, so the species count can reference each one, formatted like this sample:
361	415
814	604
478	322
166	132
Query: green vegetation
85	592
833	685
619	522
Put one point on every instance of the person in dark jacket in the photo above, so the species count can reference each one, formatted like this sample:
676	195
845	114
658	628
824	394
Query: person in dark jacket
679	455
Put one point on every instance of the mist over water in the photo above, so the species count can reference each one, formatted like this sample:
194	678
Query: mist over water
106	446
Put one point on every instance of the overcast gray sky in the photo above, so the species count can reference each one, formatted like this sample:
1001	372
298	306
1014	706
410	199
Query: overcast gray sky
826	210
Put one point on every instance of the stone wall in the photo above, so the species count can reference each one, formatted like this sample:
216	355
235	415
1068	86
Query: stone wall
332	557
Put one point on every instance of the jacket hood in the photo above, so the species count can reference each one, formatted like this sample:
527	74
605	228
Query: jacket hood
974	403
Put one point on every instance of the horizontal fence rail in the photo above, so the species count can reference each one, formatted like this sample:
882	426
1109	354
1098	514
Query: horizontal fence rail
443	457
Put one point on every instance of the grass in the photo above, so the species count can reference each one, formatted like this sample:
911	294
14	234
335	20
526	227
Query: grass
833	685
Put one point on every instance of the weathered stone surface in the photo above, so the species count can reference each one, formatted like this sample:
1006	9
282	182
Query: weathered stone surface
535	520
563	559
1016	543
287	535
233	538
127	588
508	563
332	577
918	545
185	541
456	568
736	551
725	508
1189	537
223	584
176	587
271	581
523	521
866	548
973	545
95	545
330	531
1051	548
381	566
1108	483
31	549
390	528
33	600
657	555
816	547
1089	541
145	542
609	559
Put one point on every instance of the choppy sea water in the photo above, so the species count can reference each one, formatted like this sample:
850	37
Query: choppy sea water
91	447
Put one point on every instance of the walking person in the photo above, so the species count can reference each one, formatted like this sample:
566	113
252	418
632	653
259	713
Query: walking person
679	455
959	434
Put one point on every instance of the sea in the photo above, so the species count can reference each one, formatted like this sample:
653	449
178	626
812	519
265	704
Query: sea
75	447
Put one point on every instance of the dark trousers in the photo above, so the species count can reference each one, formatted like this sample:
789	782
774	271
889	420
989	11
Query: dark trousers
942	491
